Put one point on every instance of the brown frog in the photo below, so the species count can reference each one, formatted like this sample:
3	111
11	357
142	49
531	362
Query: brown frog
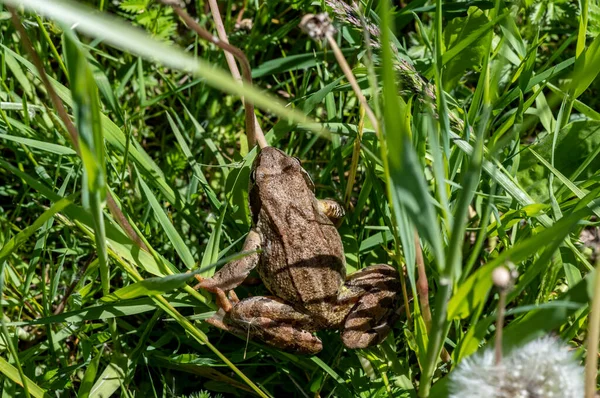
301	261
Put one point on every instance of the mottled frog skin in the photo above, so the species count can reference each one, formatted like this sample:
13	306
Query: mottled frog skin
302	263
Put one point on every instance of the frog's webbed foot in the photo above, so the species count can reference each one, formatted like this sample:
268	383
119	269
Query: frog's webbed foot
271	321
333	210
372	318
232	274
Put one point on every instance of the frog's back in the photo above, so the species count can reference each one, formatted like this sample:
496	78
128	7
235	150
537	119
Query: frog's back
303	257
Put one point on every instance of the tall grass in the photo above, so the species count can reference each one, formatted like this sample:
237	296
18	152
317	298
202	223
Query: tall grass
486	155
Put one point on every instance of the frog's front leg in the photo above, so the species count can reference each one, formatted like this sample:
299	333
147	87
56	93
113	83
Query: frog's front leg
371	319
233	273
271	321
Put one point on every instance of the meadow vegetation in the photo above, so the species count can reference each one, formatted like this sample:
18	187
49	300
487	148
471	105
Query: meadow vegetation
124	168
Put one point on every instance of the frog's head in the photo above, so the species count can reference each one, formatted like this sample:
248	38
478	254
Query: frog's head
272	165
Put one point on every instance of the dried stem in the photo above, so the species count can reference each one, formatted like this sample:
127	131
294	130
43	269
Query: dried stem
355	158
60	108
251	131
500	326
423	292
503	279
591	360
319	27
71	129
61	306
422	284
216	14
352	80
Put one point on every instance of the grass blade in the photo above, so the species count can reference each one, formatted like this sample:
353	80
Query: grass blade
13	374
174	237
113	31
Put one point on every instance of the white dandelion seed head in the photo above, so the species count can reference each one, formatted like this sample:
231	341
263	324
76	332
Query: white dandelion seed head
542	368
501	277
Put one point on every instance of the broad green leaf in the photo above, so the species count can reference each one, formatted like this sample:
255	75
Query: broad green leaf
458	30
341	383
211	251
41	145
528	64
576	156
586	68
510	30
411	201
474	32
476	288
237	184
108	311
156	286
13	374
91	145
111	378
87	382
86	105
15	68
421	336
149	287
540	322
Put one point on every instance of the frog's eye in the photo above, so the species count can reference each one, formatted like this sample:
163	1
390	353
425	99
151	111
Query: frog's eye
253	176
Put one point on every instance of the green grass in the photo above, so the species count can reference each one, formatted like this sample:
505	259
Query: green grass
489	152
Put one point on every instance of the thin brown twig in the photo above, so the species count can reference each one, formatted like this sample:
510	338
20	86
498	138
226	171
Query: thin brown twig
355	158
61	306
251	132
64	116
422	284
123	222
423	293
319	27
593	336
216	14
503	279
339	56
235	72
499	327
60	108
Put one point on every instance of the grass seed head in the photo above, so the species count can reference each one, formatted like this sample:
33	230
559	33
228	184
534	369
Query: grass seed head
317	26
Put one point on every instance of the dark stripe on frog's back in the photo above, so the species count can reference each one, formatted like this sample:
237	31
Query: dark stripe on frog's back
317	271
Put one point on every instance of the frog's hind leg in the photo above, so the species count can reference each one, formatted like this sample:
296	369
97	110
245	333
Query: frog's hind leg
273	322
371	319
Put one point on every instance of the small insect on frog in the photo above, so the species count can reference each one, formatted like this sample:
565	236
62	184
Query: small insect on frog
302	263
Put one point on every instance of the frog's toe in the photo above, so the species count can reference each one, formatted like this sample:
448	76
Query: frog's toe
372	318
355	339
277	324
